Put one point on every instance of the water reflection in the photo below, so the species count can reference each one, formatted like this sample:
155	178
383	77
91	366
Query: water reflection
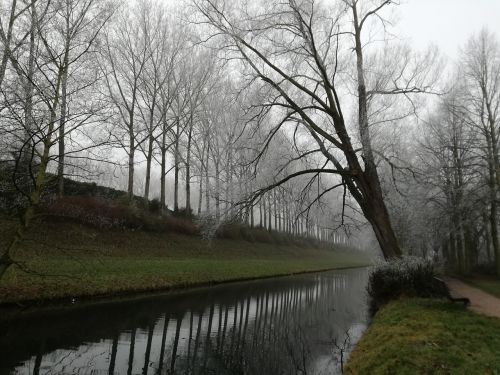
295	325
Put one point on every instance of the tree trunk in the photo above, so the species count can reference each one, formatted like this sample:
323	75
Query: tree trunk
493	217
176	168
372	200
149	158
280	210
217	190
445	251
487	236
8	37
242	214
27	155
34	201
453	250
229	183
494	235
260	213
200	192
275	202
62	127
460	247
377	215
264	211
131	162
288	220
188	167
270	213
163	169
252	217
207	180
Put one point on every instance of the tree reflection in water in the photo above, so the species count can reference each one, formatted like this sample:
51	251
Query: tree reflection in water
303	324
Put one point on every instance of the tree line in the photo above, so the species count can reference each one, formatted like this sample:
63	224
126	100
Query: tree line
288	115
454	198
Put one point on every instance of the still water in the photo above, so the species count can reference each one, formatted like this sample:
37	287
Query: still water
304	324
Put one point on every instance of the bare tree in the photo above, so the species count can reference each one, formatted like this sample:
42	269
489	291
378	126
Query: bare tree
449	154
481	65
294	48
155	77
52	60
78	23
125	55
199	85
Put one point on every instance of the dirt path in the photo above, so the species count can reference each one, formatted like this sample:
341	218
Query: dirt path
480	301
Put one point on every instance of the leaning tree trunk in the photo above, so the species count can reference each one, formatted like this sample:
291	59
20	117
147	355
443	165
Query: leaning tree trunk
375	211
372	200
34	199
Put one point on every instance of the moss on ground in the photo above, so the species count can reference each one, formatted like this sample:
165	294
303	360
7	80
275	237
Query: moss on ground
428	336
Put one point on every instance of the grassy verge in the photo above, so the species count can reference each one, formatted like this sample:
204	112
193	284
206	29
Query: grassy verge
427	336
71	260
490	285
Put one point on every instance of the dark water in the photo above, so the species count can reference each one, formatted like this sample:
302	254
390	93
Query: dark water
292	325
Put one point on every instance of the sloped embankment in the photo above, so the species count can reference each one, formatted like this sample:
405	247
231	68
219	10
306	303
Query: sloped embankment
65	260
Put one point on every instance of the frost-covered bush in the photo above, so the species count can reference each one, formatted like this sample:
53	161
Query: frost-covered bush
208	225
407	276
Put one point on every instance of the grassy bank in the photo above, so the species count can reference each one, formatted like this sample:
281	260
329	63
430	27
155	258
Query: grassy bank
73	260
427	336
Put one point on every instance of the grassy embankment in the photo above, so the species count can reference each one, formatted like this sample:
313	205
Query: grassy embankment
428	336
74	260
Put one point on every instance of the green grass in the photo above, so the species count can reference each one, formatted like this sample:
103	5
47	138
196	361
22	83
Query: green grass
489	285
428	336
71	260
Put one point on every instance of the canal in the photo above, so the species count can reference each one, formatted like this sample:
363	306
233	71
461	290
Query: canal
302	324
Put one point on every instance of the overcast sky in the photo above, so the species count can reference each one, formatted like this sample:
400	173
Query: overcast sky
446	23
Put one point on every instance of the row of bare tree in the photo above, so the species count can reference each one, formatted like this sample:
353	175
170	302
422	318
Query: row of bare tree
293	115
451	206
87	84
